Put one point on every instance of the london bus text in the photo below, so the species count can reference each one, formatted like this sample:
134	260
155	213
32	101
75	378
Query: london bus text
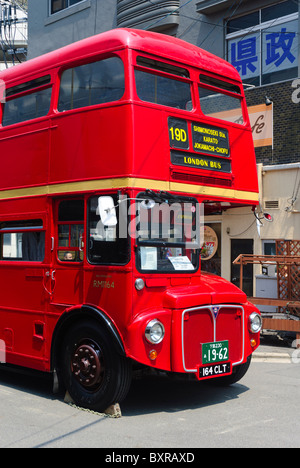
113	150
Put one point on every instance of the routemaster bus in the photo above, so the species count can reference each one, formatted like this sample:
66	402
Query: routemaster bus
112	151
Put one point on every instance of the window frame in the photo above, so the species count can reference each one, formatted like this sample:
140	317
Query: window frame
24	89
51	12
161	245
77	250
258	29
210	83
166	70
21	226
75	65
122	243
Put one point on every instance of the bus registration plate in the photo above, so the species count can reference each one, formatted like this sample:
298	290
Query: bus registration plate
214	370
214	352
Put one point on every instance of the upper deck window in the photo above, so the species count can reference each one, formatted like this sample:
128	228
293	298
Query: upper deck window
90	84
163	90
216	103
162	66
28	106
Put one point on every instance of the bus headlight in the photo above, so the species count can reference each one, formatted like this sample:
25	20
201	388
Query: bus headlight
255	322
155	331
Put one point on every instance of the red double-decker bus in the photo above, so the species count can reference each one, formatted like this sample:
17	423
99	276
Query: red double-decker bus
110	147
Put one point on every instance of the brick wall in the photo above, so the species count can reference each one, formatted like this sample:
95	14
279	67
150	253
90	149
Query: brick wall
286	123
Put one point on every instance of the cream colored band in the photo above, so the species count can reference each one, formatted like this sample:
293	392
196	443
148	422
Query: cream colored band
122	182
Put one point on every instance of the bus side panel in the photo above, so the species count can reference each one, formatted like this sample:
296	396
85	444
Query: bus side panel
243	160
91	144
151	145
24	150
110	290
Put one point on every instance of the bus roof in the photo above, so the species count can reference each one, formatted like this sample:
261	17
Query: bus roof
153	43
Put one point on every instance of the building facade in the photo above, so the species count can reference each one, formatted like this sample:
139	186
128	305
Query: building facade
261	39
13	33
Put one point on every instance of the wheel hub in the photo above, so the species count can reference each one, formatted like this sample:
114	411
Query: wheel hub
86	364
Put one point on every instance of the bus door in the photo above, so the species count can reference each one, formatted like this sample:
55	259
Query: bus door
22	270
66	273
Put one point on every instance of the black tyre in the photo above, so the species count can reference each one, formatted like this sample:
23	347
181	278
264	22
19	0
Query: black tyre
237	373
94	373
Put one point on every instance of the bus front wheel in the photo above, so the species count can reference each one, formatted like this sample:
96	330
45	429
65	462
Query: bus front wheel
94	373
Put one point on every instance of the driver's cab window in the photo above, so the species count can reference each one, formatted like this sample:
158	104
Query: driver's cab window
70	230
107	231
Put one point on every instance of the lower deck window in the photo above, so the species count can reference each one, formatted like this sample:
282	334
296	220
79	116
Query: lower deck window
22	241
70	231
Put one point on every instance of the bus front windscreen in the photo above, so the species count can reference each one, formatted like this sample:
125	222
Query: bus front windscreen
167	235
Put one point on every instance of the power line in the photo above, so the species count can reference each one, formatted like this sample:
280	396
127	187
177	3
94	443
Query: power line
222	18
12	19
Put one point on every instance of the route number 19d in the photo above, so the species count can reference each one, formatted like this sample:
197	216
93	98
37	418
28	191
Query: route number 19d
178	132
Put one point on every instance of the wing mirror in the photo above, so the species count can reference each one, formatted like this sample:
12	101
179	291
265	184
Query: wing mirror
107	211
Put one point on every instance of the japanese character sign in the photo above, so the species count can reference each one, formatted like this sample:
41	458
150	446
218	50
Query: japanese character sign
280	47
274	49
244	55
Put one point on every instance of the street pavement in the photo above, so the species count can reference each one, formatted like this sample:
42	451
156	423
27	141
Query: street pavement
274	348
262	410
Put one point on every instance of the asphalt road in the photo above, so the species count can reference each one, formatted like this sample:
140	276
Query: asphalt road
262	410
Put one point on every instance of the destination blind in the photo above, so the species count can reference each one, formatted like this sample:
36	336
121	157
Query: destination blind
180	158
207	139
210	140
